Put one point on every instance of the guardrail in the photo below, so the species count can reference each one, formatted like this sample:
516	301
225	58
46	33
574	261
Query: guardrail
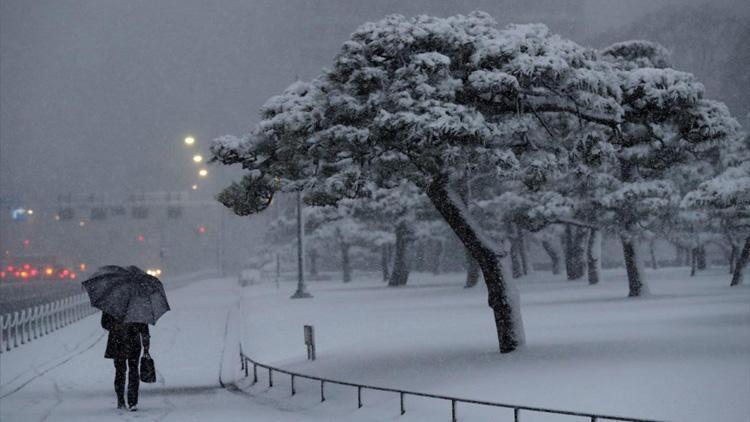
246	361
23	326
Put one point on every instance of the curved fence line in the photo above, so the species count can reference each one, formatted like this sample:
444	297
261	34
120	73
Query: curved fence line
246	362
21	327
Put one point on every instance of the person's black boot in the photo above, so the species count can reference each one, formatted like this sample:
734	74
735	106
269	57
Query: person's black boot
121	404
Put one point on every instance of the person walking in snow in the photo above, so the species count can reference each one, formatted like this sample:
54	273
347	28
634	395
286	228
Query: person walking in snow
124	347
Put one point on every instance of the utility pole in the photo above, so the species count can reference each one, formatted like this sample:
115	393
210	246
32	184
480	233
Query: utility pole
301	289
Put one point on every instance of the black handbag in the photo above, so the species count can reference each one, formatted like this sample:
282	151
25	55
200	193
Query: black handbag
147	371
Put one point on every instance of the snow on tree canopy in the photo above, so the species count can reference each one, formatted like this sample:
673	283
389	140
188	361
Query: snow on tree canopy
638	53
727	190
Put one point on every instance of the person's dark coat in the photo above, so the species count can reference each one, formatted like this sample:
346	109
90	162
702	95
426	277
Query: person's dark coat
125	339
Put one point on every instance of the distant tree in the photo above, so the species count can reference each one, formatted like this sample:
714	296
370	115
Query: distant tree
708	40
666	122
728	196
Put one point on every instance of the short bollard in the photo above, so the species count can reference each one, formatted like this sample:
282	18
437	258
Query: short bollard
310	341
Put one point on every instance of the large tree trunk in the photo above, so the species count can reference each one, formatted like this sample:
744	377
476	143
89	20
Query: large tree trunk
400	273
739	266
575	262
472	270
652	252
594	256
346	266
553	256
313	258
385	259
502	295
701	255
636	281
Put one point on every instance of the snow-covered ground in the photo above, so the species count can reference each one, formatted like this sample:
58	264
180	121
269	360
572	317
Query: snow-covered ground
681	354
64	376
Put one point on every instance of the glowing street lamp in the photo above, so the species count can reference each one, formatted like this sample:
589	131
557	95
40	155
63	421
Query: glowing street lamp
189	140
197	158
30	212
195	187
203	173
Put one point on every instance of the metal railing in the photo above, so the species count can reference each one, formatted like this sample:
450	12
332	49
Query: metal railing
246	362
23	326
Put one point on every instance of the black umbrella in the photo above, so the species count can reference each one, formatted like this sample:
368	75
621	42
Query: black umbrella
128	294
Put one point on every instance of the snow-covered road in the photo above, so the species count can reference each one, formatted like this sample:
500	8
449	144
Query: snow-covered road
64	377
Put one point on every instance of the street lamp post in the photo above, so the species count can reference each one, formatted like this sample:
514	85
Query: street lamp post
301	288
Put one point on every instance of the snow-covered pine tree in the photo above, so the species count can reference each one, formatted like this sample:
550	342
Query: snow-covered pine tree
666	122
423	99
727	197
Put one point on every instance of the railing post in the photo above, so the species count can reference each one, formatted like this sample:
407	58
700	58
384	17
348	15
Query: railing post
403	409
29	317
22	323
15	329
255	373
2	330
57	315
359	397
66	313
293	391
243	359
593	419
453	411
270	377
46	318
35	321
322	391
516	414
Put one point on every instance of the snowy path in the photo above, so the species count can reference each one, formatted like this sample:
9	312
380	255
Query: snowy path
187	345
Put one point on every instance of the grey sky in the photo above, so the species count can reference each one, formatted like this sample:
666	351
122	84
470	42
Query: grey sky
95	96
